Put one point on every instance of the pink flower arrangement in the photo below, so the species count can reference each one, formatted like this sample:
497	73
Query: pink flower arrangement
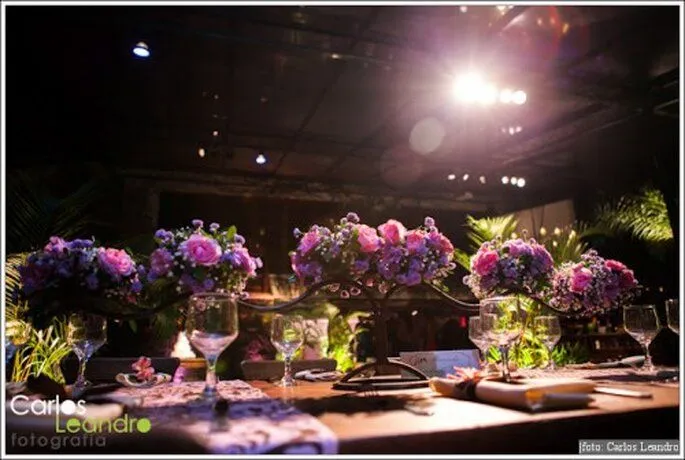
515	266
144	369
379	257
346	250
65	270
196	260
591	286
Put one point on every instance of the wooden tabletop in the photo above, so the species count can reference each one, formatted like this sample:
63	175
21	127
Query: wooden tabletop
456	427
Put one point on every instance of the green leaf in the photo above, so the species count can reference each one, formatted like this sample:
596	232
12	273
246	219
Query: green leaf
231	232
133	325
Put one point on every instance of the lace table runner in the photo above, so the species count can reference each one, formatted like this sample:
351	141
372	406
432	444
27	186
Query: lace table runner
618	375
254	423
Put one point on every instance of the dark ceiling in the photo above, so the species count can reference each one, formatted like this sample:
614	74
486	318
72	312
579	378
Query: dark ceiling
332	95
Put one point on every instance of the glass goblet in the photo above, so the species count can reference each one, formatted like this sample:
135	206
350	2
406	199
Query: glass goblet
642	323
502	321
673	315
86	333
211	326
549	332
287	335
477	336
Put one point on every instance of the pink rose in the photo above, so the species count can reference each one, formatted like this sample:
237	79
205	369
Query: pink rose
415	241
485	262
627	279
141	363
116	262
308	242
393	231
581	279
245	262
446	245
56	245
368	238
615	265
201	250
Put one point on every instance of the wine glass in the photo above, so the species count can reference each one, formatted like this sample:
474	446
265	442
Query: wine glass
642	323
287	335
549	331
502	323
477	336
673	315
86	333
211	326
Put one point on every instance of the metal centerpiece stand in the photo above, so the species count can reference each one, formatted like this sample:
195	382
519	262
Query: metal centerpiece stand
382	374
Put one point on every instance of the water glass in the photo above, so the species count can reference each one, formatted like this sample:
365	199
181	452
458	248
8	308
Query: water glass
673	315
86	333
642	323
548	331
287	335
477	336
502	321
211	326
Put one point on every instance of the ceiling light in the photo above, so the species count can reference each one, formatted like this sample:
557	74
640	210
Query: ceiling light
451	177
414	312
141	50
511	130
465	177
522	182
482	179
518	129
335	56
519	97
261	159
505	96
463	8
215	133
513	180
505	180
201	152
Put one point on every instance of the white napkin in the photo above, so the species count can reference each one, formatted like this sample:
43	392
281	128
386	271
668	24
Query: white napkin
533	394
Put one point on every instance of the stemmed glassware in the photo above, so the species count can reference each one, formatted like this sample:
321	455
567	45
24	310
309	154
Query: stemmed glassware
211	326
477	336
673	315
287	335
549	331
502	321
86	333
642	323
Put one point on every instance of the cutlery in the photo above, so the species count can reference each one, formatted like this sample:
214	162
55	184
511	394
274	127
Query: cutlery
623	392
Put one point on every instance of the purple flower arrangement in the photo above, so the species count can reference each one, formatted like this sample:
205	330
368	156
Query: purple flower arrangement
64	273
379	257
592	286
408	257
512	267
197	260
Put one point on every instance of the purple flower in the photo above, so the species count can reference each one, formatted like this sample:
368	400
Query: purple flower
197	223
429	222
361	265
56	245
213	227
413	278
352	217
161	262
208	284
239	239
297	233
136	286
79	244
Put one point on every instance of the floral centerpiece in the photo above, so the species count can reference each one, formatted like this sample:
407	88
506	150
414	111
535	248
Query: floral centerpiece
382	257
514	266
73	275
591	286
408	257
192	260
348	250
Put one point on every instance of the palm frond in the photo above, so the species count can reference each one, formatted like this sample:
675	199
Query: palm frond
643	215
488	228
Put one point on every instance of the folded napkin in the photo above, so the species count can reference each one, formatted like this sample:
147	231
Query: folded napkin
533	394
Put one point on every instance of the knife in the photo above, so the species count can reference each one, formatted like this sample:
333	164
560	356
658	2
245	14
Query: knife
623	392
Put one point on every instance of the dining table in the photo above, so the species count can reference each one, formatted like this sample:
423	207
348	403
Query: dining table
312	417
